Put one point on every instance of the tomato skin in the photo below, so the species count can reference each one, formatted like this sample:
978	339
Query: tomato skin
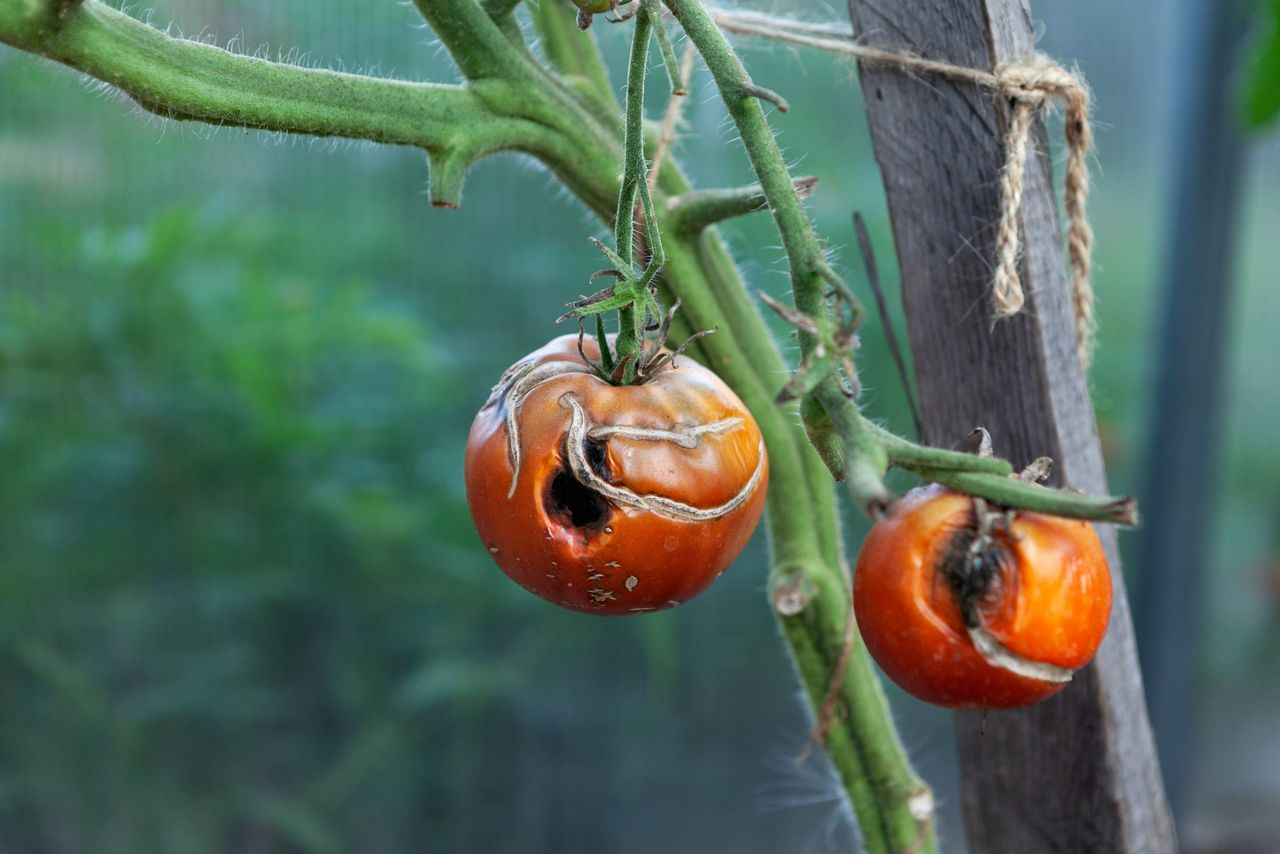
559	537
1050	605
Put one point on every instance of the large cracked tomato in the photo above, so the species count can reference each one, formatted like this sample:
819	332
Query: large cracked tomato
968	607
613	499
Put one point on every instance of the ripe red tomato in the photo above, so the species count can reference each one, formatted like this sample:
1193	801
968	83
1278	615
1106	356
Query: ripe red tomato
978	616
613	499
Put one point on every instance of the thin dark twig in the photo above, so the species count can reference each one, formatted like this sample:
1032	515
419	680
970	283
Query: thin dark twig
895	349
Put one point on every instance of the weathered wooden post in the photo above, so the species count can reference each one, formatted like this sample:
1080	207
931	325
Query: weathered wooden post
1079	772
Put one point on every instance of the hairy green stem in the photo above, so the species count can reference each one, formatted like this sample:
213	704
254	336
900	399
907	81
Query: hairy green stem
810	272
634	170
884	790
669	61
510	82
699	209
503	13
634	175
1011	492
187	80
488	53
183	79
577	60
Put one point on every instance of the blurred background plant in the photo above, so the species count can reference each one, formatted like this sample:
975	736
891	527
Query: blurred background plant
241	604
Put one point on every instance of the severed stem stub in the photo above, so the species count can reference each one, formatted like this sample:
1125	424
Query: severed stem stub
1037	470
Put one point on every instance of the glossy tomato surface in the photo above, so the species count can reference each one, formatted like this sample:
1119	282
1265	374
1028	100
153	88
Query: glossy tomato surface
613	499
1041	615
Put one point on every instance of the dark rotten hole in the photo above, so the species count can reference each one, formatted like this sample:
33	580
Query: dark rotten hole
976	567
573	501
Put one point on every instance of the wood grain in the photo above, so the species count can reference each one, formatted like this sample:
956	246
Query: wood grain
1079	772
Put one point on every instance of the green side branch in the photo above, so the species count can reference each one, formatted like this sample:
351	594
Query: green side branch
634	175
891	803
883	789
181	79
810	272
576	60
503	13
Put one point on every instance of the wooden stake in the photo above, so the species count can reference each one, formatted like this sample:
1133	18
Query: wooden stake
1079	772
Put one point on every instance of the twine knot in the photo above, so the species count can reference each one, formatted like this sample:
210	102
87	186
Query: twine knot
1037	77
1033	83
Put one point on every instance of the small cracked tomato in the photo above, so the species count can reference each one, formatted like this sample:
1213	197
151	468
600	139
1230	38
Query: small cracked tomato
613	499
968	607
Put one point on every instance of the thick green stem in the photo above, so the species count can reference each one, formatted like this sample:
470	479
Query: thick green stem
810	273
634	171
884	790
634	175
1012	492
804	252
894	808
576	59
510	82
489	51
911	456
183	79
699	209
633	316
503	13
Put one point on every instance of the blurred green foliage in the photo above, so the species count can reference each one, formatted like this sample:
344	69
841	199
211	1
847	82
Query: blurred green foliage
1262	91
221	475
242	607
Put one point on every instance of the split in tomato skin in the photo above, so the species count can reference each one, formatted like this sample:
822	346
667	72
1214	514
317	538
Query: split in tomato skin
613	500
1036	596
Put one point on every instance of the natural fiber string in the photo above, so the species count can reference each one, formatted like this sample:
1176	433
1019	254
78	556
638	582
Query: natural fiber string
1032	83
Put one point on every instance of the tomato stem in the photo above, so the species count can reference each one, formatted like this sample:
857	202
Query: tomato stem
865	750
912	456
669	61
1020	494
699	209
826	377
634	317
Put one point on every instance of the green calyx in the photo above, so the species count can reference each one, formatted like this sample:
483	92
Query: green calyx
632	295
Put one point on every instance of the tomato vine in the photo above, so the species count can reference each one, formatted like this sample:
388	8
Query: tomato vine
560	108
